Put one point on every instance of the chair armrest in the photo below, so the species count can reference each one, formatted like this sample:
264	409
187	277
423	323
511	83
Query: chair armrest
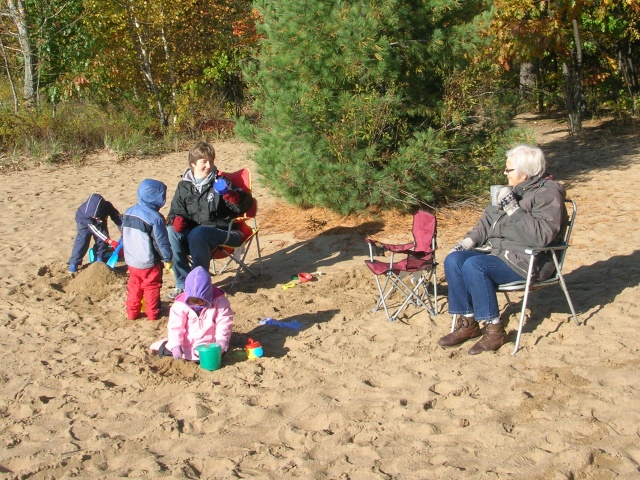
536	250
401	248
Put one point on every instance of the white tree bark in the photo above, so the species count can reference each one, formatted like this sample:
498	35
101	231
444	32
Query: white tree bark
144	59
10	77
17	14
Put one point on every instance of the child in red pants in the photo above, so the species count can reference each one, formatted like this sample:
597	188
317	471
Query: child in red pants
146	245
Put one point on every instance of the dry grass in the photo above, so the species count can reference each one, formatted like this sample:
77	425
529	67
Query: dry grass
307	223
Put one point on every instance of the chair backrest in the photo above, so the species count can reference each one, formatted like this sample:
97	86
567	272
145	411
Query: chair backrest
424	231
567	234
242	179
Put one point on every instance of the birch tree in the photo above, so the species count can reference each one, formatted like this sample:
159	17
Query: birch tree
17	13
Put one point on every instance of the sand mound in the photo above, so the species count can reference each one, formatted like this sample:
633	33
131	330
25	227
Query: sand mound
97	281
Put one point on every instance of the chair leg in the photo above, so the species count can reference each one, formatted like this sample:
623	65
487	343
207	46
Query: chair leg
382	298
453	322
509	304
416	297
565	290
259	254
411	295
521	321
566	294
432	309
435	292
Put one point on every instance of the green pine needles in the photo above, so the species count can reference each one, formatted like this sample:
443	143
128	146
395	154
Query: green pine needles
355	107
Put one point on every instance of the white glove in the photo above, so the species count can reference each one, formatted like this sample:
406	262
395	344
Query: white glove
465	244
507	201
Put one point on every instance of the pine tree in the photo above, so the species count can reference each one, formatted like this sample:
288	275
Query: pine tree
352	100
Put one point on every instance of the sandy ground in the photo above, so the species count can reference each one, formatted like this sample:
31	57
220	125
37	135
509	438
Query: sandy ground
348	396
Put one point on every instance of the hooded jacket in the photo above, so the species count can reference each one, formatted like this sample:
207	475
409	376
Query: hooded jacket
540	221
145	239
95	211
200	204
213	324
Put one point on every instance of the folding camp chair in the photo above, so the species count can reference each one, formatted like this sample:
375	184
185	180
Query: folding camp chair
558	253
245	223
419	258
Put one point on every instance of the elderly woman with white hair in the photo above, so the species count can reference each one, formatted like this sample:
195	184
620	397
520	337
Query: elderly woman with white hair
530	213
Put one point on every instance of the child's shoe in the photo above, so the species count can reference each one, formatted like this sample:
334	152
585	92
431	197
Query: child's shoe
174	293
99	259
73	268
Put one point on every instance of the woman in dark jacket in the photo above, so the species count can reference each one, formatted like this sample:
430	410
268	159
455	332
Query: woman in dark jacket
530	213
200	214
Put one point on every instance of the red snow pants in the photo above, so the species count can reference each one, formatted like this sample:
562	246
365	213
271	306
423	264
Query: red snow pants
144	283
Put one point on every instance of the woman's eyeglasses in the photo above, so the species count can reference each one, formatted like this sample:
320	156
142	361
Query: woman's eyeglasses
507	170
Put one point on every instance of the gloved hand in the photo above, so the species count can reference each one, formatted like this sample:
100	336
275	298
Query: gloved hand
465	244
112	243
168	265
180	224
507	201
176	352
231	197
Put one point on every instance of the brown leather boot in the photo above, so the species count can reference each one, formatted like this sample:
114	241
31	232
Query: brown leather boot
494	337
465	329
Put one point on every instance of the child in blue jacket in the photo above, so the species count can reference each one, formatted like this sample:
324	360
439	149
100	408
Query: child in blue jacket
146	245
91	221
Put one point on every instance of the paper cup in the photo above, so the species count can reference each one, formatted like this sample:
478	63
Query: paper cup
494	190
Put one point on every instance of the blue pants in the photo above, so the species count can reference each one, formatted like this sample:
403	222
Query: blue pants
197	242
472	278
82	241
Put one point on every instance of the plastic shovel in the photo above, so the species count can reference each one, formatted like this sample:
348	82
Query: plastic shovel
113	259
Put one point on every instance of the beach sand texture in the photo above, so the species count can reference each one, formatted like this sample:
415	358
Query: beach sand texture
349	395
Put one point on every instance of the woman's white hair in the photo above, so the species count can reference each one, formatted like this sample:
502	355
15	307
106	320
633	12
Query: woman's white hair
527	159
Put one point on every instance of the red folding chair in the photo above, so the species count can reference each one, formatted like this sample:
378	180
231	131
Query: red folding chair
417	264
245	223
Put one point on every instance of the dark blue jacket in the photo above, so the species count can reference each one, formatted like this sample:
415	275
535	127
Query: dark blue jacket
95	211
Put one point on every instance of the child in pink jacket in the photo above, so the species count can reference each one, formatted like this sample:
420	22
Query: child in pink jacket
200	315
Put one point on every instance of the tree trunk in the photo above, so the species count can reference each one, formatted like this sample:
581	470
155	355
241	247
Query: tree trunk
172	75
145	62
527	79
19	17
572	111
573	87
629	74
10	77
579	92
540	95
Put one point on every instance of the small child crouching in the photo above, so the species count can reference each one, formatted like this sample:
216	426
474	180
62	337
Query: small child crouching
91	221
199	316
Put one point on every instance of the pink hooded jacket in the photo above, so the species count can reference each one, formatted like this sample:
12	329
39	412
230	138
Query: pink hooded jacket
191	326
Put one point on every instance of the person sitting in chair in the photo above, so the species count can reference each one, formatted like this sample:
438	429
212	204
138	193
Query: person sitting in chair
200	215
530	213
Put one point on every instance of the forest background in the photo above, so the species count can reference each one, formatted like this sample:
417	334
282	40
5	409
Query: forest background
351	105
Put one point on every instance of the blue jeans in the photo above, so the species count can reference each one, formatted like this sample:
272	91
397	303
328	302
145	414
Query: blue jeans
197	242
472	277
